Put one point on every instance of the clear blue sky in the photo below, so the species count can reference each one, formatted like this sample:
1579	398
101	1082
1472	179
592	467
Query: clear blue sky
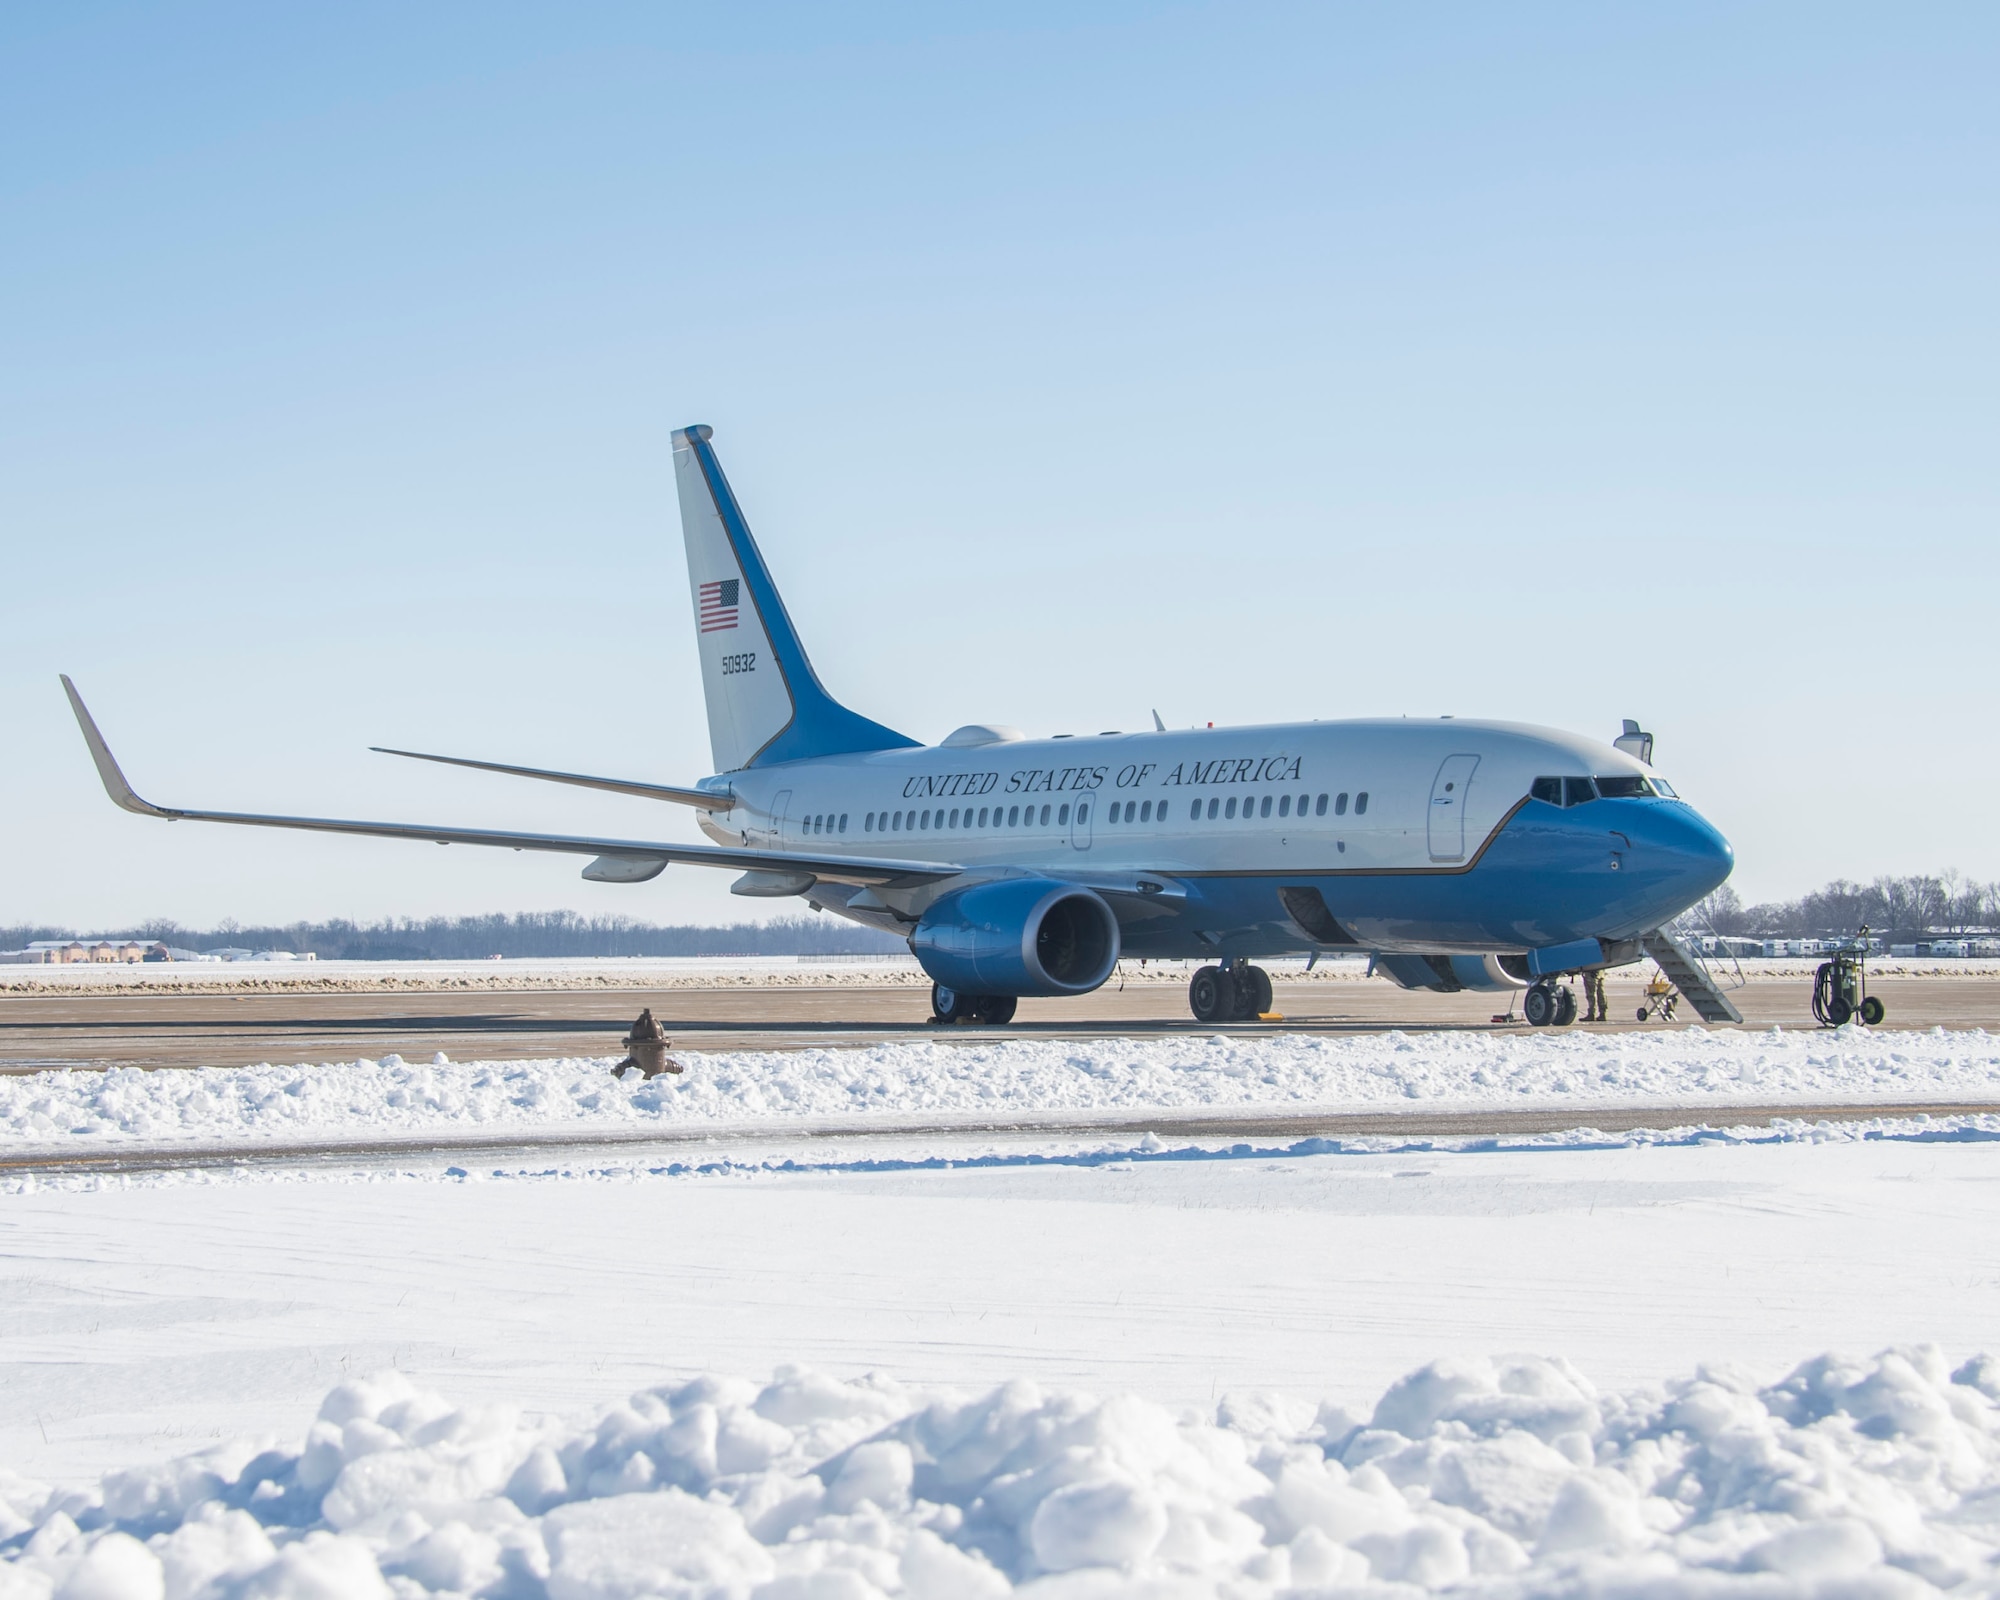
1561	363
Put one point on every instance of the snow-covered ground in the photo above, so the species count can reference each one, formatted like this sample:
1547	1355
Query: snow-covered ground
597	972
1016	1080
1114	1365
1873	1478
680	972
1250	1322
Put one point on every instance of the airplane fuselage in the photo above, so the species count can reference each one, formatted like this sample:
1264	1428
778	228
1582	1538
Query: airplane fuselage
1415	834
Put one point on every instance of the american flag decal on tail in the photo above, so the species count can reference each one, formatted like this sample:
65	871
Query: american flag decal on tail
718	605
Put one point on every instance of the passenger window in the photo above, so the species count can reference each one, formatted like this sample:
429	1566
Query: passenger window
1361	804
1264	809
1194	812
1045	816
982	816
868	823
1229	810
1577	790
954	816
1284	805
1145	811
1083	813
1212	804
1340	804
1062	816
843	822
896	821
1319	806
1013	815
1549	790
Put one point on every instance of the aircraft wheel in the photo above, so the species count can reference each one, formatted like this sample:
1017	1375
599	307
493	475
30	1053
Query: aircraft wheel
948	1005
1873	1011
1254	985
996	1010
1539	1006
1209	996
1565	1007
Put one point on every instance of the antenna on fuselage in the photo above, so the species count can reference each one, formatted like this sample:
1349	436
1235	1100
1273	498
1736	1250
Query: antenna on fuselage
1158	725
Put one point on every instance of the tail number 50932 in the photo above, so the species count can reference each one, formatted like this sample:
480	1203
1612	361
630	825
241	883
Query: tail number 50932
746	662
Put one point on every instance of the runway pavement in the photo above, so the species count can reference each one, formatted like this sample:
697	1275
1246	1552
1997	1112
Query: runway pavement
88	1029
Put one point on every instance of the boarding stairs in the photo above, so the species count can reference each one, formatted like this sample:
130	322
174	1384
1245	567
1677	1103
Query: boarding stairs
1685	971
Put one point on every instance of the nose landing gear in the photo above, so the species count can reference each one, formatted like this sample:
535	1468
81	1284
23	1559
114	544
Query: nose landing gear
1549	1005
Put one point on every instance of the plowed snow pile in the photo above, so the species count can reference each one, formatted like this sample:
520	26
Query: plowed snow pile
1877	1478
363	1099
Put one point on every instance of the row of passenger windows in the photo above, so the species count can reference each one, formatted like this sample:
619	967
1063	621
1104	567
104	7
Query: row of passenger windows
1575	791
994	817
1251	806
964	817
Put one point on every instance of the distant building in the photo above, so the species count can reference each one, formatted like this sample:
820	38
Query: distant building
99	950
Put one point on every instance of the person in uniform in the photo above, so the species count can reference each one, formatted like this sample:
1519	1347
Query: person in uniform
1597	1008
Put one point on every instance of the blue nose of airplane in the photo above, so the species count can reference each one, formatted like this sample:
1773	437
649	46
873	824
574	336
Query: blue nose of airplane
1681	855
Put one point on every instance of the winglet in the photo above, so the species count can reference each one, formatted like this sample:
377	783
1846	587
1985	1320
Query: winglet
121	792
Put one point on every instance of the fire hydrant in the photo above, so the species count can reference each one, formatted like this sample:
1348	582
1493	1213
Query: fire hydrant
647	1044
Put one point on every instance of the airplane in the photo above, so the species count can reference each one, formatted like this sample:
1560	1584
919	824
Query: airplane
1457	854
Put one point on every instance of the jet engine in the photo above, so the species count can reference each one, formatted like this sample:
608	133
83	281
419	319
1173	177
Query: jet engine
1449	974
1018	936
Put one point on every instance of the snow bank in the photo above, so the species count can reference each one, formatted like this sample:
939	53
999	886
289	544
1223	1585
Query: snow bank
1505	1478
367	1099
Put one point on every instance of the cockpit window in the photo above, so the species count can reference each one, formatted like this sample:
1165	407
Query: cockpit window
1623	787
1665	789
1577	790
1549	789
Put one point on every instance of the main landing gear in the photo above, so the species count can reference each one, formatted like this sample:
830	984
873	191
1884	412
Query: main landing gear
1549	1005
948	1005
1237	993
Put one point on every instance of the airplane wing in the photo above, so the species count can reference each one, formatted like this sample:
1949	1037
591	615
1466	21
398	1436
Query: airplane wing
701	799
621	860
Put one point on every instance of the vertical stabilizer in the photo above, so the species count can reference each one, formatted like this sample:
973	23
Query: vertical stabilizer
765	703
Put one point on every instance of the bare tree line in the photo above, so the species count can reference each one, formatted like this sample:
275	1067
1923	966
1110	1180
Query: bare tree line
1945	902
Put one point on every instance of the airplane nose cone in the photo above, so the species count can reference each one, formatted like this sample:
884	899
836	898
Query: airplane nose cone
1701	858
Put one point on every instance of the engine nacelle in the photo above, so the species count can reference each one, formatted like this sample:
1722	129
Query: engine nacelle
1018	936
1449	974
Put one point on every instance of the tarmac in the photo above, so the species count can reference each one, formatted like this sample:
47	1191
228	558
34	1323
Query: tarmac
156	1029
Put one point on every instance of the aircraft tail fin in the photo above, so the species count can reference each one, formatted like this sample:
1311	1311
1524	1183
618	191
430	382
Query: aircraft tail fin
765	702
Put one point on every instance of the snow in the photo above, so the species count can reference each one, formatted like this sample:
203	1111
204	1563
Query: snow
1877	1477
1018	1079
991	1359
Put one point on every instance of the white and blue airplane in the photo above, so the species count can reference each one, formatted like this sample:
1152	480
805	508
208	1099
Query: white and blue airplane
1459	854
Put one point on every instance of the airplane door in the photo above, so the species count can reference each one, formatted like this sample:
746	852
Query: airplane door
780	804
1447	809
1079	822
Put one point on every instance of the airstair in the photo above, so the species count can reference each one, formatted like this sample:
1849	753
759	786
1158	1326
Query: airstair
1686	973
